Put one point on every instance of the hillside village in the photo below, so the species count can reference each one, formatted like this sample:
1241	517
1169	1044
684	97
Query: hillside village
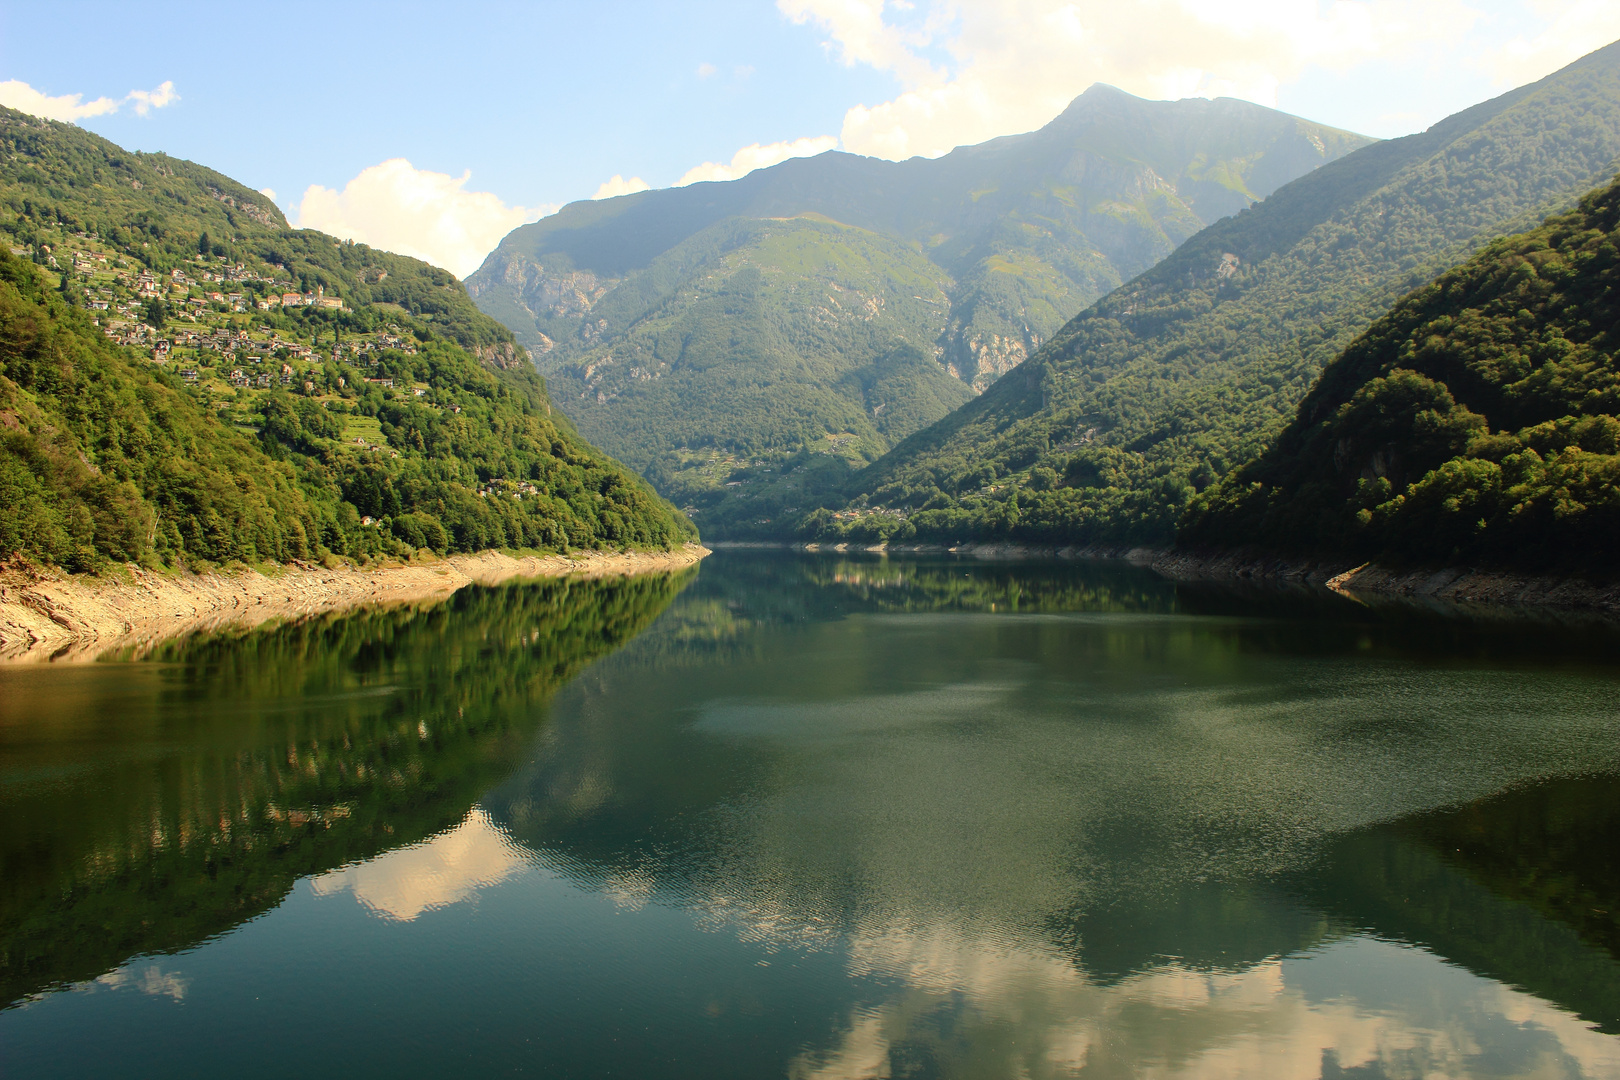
231	348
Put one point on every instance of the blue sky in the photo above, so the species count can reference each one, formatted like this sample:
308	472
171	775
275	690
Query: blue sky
505	111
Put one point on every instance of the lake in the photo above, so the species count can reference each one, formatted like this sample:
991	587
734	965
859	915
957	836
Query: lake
837	816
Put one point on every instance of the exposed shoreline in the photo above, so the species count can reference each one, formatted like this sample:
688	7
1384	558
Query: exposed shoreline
1454	585
53	615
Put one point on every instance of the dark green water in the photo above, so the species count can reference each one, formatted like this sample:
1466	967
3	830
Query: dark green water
796	816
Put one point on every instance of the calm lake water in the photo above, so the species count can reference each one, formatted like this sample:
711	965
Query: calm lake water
823	816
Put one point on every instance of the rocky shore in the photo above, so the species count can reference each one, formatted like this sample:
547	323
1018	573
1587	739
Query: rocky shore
1458	585
52	615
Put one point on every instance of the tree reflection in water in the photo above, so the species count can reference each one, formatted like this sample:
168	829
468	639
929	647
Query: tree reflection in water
847	817
151	805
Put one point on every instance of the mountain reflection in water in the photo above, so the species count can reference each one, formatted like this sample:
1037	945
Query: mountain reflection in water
849	817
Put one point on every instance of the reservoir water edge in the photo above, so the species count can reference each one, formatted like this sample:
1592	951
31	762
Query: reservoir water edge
822	815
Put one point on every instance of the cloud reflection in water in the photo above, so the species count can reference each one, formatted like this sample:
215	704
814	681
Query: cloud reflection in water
439	872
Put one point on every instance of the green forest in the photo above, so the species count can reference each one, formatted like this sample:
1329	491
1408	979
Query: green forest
1477	422
111	455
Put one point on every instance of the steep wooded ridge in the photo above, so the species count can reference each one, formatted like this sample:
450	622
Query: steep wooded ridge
693	329
1476	422
110	454
1171	381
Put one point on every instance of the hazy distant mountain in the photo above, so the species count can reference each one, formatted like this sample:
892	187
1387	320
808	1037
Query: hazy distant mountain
1191	369
662	322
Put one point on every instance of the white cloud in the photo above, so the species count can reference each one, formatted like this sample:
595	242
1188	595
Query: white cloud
1576	28
618	185
398	207
756	156
269	193
705	71
971	70
147	100
16	94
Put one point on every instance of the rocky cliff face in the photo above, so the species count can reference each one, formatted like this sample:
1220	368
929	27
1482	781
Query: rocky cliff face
547	295
502	355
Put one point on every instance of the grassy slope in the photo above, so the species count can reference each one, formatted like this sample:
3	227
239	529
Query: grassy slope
1191	369
1479	420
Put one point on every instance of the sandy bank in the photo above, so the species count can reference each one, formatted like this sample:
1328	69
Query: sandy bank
47	615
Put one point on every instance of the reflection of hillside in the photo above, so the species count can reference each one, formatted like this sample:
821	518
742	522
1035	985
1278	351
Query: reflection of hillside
739	594
1116	787
227	767
1520	886
1020	892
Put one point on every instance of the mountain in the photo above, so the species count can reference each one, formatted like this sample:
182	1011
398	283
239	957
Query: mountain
183	379
1162	387
668	320
758	335
1479	421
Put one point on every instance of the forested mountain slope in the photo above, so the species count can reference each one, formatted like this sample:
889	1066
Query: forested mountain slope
762	335
1193	368
650	313
184	379
1479	421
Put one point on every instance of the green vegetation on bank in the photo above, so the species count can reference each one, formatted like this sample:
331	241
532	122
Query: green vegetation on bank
292	396
1152	395
699	331
1479	421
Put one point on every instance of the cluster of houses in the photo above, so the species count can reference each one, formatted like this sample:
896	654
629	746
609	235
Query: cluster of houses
359	349
130	329
372	448
515	488
292	299
232	272
146	284
876	511
265	379
88	262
